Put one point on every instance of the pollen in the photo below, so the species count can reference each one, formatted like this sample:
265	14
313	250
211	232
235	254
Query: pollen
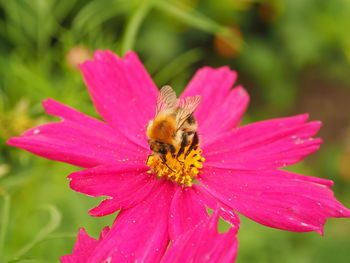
181	170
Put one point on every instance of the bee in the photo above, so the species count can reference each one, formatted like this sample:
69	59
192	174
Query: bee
174	126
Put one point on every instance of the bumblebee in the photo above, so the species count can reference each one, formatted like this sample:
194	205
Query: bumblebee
174	126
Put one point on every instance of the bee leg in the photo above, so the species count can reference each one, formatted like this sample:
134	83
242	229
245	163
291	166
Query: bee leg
172	150
164	162
193	145
148	159
182	146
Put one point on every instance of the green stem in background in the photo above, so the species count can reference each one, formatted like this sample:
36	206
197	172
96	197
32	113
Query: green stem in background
55	220
195	19
134	24
192	18
4	221
177	65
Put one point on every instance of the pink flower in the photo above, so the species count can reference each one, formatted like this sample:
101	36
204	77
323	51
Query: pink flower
241	169
201	244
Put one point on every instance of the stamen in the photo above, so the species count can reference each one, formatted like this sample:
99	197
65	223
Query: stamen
181	170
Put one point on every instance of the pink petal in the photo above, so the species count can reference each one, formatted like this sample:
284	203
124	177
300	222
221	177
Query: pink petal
78	139
139	234
225	105
213	203
122	91
264	145
203	244
83	248
185	212
227	115
126	184
188	208
277	198
104	232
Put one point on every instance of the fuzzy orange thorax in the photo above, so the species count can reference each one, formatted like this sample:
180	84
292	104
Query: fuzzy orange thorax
163	129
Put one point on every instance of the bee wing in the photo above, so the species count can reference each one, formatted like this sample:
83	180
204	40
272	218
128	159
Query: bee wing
186	107
166	99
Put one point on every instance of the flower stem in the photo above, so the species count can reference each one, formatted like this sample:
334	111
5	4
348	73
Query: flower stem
197	20
192	18
134	24
54	222
4	221
177	65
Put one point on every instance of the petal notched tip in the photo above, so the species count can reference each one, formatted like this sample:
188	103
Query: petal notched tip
58	109
242	93
320	231
224	70
83	248
12	141
106	207
342	211
107	55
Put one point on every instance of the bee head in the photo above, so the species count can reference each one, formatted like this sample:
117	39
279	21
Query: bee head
161	147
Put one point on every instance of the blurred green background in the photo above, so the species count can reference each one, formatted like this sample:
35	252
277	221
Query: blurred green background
293	56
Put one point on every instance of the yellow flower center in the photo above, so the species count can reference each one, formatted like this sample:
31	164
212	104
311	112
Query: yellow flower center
181	170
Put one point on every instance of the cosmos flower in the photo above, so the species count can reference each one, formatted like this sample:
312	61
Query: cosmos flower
201	244
233	169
